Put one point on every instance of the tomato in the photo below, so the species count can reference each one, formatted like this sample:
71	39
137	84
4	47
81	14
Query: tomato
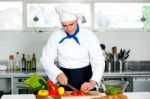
74	93
49	83
81	92
77	93
65	94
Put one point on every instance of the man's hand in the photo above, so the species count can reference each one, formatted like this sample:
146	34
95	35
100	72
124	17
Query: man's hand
62	79
87	86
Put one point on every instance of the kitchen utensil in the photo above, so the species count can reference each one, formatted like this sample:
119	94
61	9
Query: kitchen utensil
114	50
127	54
103	49
115	83
72	87
102	46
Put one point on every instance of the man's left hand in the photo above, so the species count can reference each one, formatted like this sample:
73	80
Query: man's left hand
87	86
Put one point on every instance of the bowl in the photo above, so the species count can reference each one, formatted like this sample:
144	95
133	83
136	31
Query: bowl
113	87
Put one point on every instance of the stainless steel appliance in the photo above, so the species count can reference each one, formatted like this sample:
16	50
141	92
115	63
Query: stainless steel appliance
5	85
141	84
19	87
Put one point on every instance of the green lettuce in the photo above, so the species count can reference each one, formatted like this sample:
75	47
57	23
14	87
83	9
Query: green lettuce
35	83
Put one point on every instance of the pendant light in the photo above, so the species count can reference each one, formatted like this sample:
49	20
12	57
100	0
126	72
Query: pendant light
35	19
143	19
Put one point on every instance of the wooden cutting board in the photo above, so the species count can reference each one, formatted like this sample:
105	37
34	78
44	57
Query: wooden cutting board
91	95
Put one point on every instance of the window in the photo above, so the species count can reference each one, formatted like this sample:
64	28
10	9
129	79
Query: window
122	15
11	15
30	14
45	15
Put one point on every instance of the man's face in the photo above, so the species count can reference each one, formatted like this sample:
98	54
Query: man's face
70	26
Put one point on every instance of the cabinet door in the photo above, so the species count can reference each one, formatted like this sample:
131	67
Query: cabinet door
141	84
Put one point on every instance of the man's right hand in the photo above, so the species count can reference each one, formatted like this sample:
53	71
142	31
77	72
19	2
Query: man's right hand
62	79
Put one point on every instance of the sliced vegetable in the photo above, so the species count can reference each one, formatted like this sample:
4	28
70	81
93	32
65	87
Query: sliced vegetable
113	90
82	92
65	94
74	93
77	93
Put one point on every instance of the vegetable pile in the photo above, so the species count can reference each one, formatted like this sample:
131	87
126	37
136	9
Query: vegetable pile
39	86
111	90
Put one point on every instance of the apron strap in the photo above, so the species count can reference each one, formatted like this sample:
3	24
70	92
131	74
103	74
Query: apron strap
76	77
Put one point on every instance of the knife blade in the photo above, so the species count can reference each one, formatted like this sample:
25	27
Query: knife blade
72	87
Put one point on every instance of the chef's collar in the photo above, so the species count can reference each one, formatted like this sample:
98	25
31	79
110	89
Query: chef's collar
71	36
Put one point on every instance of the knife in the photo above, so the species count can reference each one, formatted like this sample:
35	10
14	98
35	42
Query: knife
75	89
72	87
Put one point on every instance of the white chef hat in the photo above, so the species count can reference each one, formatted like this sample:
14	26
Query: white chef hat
67	13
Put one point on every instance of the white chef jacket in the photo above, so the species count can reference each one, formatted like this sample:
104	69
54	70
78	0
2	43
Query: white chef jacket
72	55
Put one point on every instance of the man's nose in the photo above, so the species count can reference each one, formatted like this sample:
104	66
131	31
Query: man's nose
68	27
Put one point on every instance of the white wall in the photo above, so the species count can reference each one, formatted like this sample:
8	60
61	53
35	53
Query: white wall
28	43
137	42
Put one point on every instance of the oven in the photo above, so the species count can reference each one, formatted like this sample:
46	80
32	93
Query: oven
19	87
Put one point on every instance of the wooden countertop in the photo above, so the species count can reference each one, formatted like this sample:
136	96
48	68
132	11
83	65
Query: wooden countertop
131	95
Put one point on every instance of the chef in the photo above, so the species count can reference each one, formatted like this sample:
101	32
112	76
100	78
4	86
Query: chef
80	58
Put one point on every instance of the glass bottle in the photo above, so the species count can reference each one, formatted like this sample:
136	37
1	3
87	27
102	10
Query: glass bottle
33	64
11	63
23	62
28	63
17	62
115	58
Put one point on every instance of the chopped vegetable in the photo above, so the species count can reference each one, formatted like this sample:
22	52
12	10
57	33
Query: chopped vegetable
113	90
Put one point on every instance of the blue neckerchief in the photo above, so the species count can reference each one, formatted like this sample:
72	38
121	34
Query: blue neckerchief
71	36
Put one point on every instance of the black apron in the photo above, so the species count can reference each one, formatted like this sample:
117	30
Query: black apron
76	77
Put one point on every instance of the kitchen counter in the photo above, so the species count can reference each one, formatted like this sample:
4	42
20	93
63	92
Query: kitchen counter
128	73
16	78
131	95
8	74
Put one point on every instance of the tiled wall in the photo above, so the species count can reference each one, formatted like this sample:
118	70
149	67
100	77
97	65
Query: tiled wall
138	65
